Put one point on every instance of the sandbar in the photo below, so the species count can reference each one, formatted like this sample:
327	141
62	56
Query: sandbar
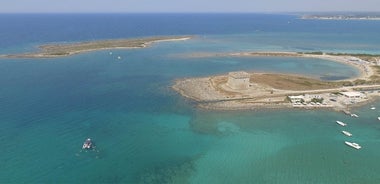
62	50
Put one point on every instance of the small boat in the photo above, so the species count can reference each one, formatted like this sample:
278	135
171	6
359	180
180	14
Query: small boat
354	115
373	108
341	123
347	133
87	144
352	144
378	118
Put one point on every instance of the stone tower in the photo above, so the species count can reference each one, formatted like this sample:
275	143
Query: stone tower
238	80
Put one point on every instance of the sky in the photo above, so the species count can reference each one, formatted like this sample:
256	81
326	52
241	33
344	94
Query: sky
185	6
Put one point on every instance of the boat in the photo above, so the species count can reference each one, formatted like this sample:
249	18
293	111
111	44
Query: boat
87	144
341	123
354	115
373	108
378	118
352	144
347	133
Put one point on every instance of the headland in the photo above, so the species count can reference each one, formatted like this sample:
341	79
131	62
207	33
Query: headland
247	90
62	50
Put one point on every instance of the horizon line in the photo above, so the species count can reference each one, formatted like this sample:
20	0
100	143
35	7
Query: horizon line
216	12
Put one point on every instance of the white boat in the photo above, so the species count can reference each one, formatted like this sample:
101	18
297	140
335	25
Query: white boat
354	115
378	118
373	108
347	133
87	144
341	123
352	144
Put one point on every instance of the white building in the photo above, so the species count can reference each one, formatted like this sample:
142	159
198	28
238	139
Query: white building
311	96
238	80
352	94
296	99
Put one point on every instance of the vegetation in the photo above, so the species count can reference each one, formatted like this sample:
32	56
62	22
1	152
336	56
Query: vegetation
353	54
58	53
317	100
376	69
360	82
340	54
291	82
314	53
346	83
375	79
368	56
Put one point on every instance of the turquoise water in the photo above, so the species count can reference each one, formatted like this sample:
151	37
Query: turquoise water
147	133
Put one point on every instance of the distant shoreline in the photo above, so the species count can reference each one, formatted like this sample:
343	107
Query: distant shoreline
340	17
63	50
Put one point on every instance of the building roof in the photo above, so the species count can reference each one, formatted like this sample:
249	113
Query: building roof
351	93
239	75
299	96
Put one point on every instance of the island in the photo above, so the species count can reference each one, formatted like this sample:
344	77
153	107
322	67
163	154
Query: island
61	50
239	90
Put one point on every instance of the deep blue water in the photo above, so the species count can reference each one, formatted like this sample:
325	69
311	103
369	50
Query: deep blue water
147	133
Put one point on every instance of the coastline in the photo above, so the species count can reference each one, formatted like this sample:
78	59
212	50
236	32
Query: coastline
338	18
63	50
214	92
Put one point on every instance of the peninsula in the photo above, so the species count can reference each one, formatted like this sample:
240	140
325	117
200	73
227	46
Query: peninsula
250	90
363	16
61	50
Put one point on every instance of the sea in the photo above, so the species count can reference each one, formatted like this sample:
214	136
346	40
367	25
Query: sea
145	132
